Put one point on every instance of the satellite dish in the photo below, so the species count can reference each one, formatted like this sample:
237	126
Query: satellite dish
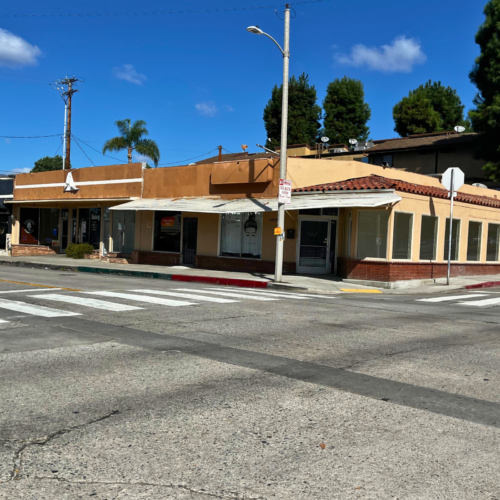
244	147
459	129
325	139
353	141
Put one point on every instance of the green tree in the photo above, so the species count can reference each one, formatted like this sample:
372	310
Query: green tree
486	76
304	114
413	114
346	112
131	138
47	164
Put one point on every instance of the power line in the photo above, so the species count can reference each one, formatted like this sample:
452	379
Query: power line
162	13
78	144
189	159
29	137
61	143
100	152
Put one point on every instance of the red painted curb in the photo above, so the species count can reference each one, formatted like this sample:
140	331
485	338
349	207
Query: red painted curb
488	284
220	281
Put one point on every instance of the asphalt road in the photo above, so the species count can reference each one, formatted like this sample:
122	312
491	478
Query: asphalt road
124	388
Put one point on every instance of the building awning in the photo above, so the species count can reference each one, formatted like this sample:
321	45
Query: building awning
299	202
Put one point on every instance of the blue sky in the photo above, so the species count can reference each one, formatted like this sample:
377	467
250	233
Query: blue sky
200	80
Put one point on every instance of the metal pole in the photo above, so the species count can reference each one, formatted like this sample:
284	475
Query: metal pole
64	135
284	132
451	227
67	163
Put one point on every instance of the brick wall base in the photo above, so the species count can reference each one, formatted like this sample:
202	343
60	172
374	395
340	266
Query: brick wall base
401	271
244	265
33	250
155	258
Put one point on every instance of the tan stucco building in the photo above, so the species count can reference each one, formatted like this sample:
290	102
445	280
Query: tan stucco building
354	219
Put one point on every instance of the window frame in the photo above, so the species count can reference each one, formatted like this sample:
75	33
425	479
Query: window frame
412	230
498	241
480	250
445	258
438	229
219	238
378	259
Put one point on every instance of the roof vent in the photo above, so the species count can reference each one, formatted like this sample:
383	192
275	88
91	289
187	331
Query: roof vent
479	185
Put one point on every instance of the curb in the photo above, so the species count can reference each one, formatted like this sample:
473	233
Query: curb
143	274
488	284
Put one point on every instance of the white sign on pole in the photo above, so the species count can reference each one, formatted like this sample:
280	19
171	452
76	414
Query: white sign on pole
458	180
285	192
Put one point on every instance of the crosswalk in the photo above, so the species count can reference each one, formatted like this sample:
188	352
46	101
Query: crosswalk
121	301
465	300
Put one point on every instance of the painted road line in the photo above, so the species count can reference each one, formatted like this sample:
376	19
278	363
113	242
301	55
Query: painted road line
34	310
188	296
86	302
32	290
481	303
359	290
282	294
148	299
448	298
3	321
227	294
42	286
271	294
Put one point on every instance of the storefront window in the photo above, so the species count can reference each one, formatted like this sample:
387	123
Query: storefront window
29	226
474	241
455	239
241	235
372	234
4	229
493	242
403	226
428	237
167	232
39	226
90	226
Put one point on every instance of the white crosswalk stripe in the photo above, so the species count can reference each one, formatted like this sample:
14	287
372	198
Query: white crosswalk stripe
3	321
32	290
240	295
450	298
86	302
188	296
272	293
143	298
34	310
481	303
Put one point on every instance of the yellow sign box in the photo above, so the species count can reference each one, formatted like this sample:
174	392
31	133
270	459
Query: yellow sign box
278	231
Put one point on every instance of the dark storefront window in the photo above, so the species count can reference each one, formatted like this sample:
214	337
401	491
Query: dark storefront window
29	226
167	232
90	226
39	226
4	229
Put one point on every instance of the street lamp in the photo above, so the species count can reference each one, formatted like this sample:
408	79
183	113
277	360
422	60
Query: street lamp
284	127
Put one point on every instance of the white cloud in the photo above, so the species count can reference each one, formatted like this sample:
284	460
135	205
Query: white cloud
206	108
140	158
228	108
14	51
24	170
399	57
128	73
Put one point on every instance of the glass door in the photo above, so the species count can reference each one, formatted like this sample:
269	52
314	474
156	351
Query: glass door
123	231
314	246
64	228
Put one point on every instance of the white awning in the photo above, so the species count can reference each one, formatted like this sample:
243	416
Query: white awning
299	202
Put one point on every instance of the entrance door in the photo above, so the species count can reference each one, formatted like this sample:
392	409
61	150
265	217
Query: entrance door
313	247
189	239
123	231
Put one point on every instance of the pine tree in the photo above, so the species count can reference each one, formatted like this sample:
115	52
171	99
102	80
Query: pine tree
414	113
304	114
346	113
486	76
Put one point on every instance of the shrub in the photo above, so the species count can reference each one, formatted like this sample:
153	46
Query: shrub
78	251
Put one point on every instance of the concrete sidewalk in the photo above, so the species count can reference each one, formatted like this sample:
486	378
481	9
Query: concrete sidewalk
316	283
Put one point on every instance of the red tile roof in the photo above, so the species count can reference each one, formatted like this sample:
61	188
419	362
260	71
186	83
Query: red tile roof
377	182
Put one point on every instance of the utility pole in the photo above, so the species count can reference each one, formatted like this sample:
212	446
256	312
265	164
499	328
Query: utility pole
220	153
66	91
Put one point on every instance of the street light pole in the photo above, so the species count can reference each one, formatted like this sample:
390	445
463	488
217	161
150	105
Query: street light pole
278	273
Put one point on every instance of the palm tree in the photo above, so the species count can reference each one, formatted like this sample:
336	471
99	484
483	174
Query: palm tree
131	139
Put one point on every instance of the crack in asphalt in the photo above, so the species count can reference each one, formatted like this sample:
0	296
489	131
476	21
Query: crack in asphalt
18	456
232	495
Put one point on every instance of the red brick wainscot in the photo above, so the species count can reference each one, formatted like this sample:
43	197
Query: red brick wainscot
373	270
241	265
31	250
155	258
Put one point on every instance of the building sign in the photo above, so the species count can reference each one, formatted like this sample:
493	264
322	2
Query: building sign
168	221
285	192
